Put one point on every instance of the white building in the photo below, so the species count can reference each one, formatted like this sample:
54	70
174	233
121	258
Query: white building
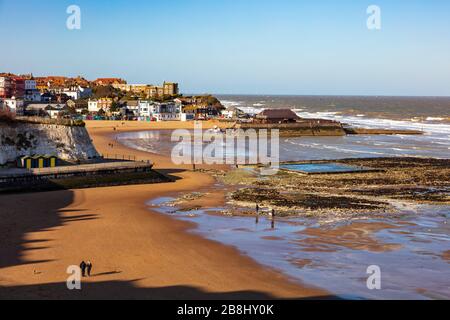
54	111
51	109
133	107
145	109
233	113
93	106
74	92
77	92
166	112
14	105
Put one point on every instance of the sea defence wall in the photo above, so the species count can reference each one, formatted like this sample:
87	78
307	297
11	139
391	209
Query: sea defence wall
319	127
303	128
68	142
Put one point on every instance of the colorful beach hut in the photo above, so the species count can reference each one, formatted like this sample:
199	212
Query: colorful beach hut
25	162
50	161
38	161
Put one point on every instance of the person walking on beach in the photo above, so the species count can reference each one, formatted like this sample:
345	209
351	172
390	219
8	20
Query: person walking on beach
83	268
89	268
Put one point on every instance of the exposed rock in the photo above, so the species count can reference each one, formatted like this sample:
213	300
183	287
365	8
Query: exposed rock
70	143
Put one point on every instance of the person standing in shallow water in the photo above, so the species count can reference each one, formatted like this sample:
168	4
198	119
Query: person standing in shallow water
83	268
89	268
257	213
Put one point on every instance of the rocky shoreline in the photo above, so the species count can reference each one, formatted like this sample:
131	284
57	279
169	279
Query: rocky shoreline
399	183
416	180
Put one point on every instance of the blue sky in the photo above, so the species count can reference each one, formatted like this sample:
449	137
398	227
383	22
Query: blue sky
241	47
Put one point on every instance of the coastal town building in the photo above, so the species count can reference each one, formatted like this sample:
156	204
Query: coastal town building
56	111
277	116
14	105
170	89
32	94
30	84
46	83
47	97
233	113
6	87
51	96
95	105
150	91
201	112
52	110
166	112
145	109
132	106
75	92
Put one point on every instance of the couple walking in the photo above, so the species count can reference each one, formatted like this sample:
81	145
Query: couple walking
86	267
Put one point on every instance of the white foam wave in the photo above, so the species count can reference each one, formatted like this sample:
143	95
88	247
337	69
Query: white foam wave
427	127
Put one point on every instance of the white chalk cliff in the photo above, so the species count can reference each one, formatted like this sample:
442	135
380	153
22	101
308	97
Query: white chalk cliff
67	142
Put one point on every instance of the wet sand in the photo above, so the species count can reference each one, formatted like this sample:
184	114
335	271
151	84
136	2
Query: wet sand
137	253
335	254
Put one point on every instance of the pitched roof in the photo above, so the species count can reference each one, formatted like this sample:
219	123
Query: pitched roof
132	103
278	114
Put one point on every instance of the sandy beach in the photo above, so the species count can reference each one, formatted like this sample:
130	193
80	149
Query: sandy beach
137	253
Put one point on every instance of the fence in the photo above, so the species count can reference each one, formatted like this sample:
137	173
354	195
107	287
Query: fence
122	157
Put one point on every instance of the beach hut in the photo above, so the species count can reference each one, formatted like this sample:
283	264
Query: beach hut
37	161
25	162
50	161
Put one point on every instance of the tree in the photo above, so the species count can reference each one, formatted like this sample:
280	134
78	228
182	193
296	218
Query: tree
116	106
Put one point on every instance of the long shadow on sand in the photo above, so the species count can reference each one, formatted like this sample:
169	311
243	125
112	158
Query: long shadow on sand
117	290
22	214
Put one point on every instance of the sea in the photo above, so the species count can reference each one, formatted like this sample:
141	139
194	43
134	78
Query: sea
411	250
428	114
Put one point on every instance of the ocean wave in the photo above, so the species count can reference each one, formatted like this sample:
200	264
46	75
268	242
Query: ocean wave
378	123
229	103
